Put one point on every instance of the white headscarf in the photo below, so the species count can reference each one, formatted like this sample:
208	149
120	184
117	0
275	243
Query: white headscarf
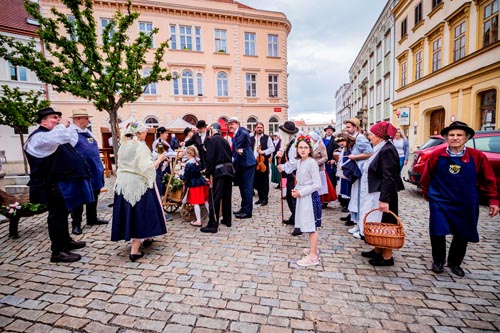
316	138
135	127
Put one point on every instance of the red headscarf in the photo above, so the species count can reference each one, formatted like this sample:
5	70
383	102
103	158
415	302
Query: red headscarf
383	130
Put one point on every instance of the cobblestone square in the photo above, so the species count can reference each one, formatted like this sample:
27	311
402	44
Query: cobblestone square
245	279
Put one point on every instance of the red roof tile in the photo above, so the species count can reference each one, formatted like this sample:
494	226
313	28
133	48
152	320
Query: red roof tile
13	18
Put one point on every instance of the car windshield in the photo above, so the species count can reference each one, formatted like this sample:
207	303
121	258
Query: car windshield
431	143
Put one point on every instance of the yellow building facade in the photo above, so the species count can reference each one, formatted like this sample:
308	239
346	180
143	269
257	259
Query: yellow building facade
447	65
230	60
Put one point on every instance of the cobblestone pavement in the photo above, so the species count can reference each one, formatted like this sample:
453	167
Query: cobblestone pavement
245	279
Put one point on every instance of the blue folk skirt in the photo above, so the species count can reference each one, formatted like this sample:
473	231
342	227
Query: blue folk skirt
144	219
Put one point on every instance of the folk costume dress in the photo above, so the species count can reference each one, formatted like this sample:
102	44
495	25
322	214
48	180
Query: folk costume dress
194	181
452	184
308	205
137	209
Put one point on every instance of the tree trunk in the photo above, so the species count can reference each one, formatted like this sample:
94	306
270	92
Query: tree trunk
113	121
25	160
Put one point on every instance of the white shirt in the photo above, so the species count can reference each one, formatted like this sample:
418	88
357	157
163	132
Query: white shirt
44	144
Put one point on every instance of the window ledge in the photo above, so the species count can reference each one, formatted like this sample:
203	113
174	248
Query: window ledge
222	53
405	37
435	10
251	55
273	57
418	25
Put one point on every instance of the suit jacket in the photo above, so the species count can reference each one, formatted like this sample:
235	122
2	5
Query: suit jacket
196	141
219	158
330	148
242	141
383	173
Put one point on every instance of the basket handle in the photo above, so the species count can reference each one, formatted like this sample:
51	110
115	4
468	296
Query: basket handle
374	209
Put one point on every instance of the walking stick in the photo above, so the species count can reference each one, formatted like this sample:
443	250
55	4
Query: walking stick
281	195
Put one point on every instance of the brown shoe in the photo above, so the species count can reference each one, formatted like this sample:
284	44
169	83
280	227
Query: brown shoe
65	257
75	245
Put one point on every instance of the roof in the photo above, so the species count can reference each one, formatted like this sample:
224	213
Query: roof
13	18
235	2
300	123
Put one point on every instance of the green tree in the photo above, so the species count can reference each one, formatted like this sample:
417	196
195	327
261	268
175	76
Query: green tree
107	73
18	109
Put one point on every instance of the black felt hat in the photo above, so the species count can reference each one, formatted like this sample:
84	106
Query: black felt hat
46	112
329	127
187	130
289	127
458	125
201	124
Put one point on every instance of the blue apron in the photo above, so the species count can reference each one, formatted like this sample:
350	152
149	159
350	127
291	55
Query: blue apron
454	199
87	147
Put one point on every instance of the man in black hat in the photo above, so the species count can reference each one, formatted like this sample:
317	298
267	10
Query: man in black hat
331	146
59	178
198	140
452	181
220	171
288	166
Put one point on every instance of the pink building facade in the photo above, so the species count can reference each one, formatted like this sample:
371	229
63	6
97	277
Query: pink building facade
230	60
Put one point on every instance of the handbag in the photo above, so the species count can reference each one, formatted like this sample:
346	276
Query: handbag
385	235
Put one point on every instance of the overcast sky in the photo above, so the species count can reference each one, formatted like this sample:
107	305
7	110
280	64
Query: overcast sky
326	37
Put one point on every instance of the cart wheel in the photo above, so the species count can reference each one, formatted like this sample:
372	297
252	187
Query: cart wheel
171	207
187	212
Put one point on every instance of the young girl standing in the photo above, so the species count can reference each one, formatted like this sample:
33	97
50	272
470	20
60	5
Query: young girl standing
196	184
308	207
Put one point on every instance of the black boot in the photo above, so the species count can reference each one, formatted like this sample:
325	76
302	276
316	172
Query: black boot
77	228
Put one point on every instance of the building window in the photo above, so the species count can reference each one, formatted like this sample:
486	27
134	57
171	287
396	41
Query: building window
370	62
73	35
175	83
418	13
273	85
197	32
222	85
404	71
173	37
490	23
378	92
387	87
250	44
147	29
273	125
436	3
272	45
379	53
404	31
152	122
199	84
371	98
150	89
104	23
186	40
251	123
17	73
251	85
488	109
187	83
387	43
220	41
459	41
418	65
436	54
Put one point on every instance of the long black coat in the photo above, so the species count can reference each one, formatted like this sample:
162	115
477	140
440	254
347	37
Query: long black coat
196	141
218	157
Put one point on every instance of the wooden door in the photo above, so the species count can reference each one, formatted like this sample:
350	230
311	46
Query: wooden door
437	122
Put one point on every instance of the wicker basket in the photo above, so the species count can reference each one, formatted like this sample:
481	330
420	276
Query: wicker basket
175	196
385	235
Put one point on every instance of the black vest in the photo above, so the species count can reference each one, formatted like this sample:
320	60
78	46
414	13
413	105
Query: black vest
263	142
64	164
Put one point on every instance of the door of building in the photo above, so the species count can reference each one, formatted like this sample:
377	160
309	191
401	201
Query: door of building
437	122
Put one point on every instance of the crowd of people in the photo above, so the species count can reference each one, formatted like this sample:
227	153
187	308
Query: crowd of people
365	166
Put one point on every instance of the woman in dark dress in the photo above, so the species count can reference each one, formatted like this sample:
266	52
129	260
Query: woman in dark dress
137	210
